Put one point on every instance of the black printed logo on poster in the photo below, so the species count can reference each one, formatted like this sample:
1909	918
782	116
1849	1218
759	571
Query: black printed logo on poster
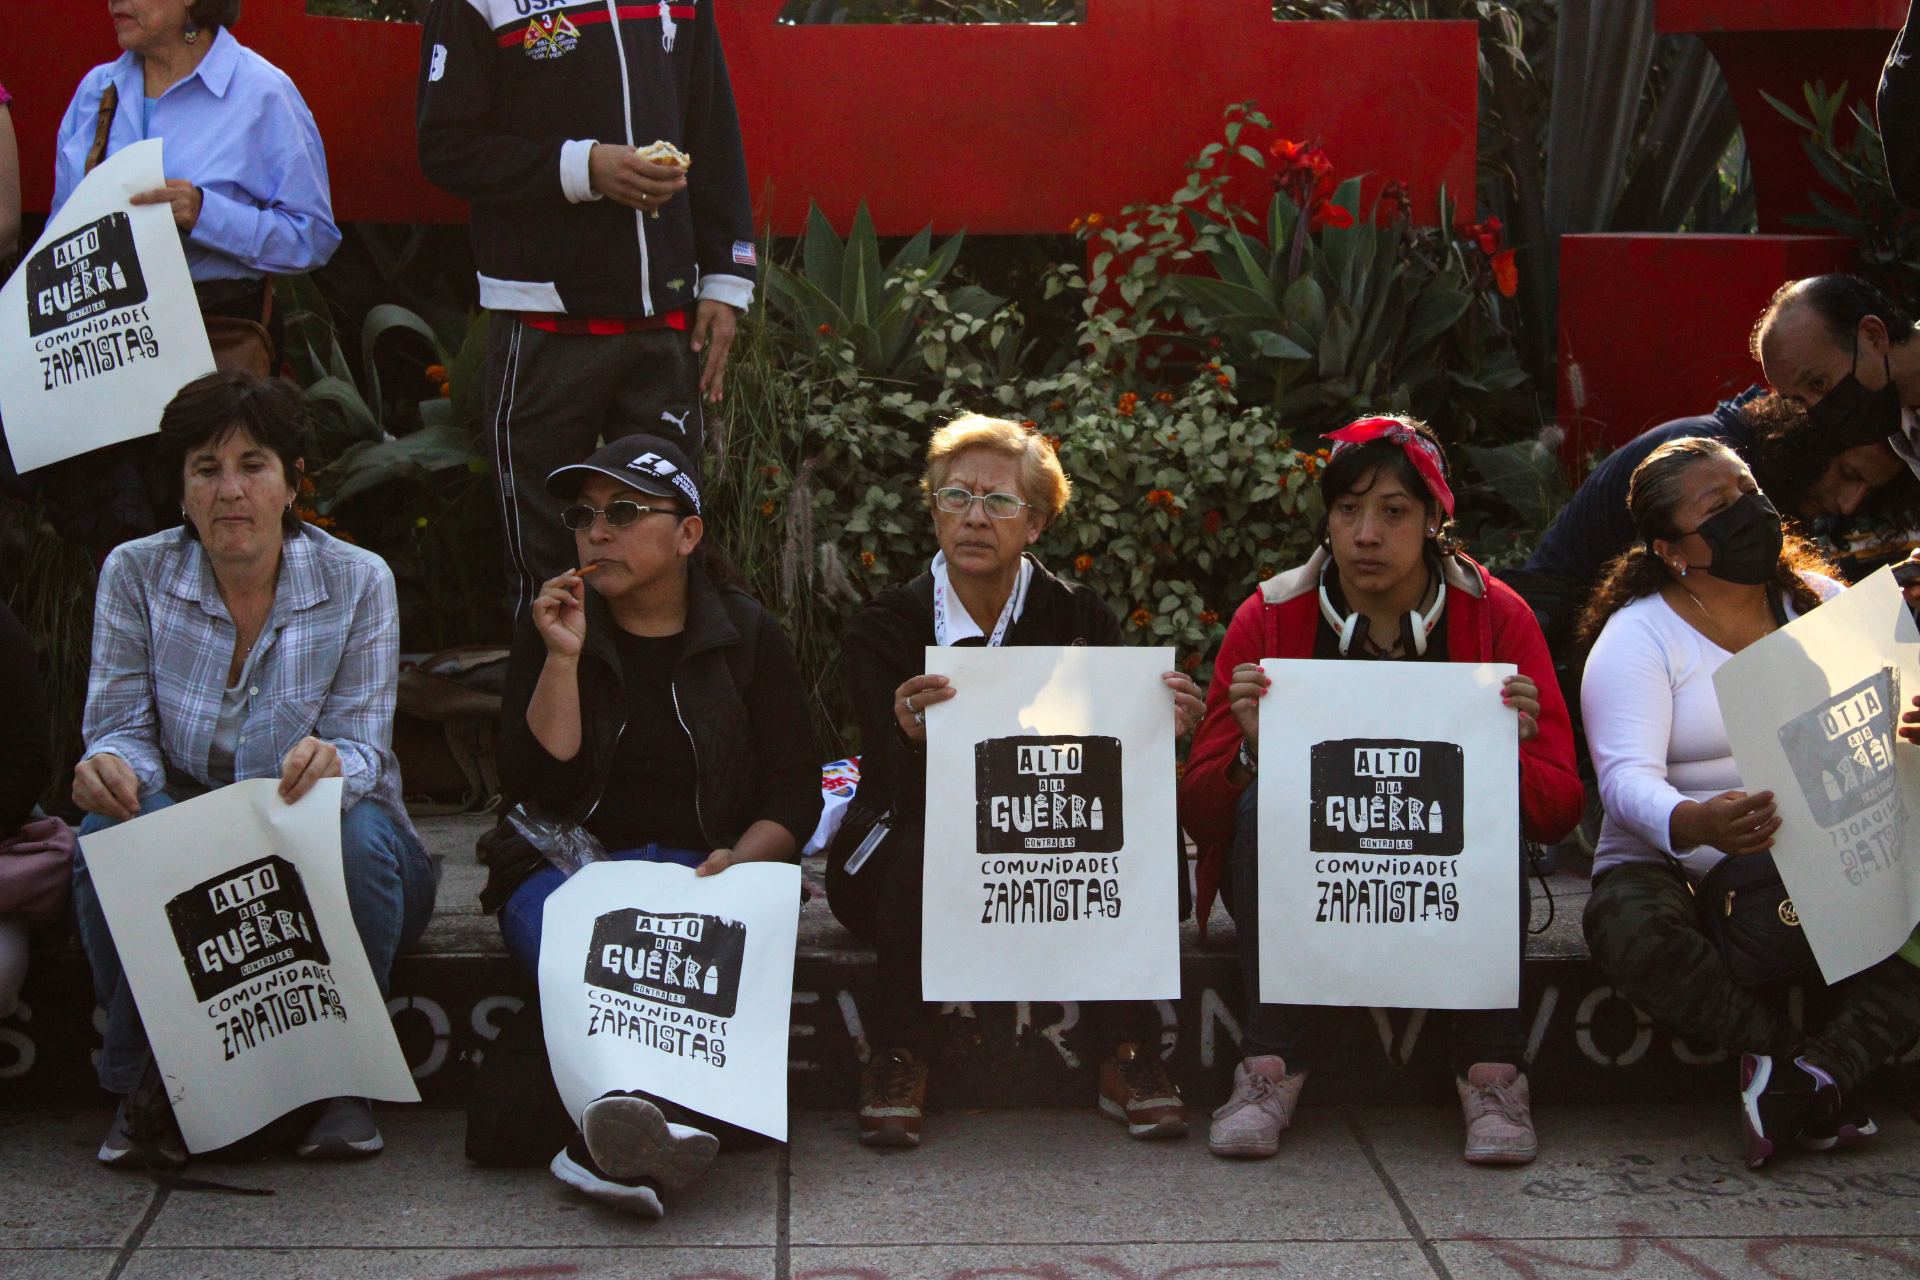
1387	795
1841	753
95	269
1060	792
684	959
254	953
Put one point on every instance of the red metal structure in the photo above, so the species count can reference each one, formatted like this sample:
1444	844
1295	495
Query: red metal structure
1654	327
999	129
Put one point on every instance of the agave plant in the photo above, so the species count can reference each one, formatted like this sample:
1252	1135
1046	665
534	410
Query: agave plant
841	295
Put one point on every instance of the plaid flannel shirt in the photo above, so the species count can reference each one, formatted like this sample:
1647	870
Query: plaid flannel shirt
327	666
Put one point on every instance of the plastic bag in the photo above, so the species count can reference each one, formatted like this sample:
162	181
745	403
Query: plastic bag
567	845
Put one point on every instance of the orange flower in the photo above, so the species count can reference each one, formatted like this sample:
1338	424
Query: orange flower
1128	403
766	508
1191	661
825	328
1141	618
1164	397
1053	442
770	471
1208	617
1057	405
1029	423
446	391
1224	380
1505	274
1074	225
1082	563
1094	219
436	373
866	559
1266	571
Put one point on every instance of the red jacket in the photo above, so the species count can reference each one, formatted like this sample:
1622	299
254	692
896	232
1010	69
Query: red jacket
1485	621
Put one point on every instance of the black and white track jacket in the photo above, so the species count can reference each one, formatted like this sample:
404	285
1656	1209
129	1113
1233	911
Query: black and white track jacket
513	95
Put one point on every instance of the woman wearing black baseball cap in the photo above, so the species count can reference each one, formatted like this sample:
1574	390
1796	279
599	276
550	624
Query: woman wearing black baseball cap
662	710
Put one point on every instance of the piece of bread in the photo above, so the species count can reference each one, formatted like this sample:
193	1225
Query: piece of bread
666	153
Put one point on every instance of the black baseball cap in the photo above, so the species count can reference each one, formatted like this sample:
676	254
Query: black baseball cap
647	463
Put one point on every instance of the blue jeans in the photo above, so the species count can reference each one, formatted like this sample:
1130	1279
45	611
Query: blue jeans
521	919
389	888
1286	1030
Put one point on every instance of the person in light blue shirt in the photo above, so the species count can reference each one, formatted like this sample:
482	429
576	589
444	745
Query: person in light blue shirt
247	182
246	172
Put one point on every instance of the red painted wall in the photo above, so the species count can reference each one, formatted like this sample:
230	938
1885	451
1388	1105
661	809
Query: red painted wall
993	128
1654	327
1778	46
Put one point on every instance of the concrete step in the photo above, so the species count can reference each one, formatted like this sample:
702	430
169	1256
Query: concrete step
1586	1044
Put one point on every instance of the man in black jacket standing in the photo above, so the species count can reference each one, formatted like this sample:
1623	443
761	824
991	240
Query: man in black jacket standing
614	281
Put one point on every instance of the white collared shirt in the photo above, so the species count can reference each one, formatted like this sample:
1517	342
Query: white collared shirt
954	624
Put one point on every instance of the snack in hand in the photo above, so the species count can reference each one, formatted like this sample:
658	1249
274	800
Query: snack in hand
665	153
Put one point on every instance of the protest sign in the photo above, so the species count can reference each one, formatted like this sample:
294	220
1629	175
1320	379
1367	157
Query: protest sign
99	326
1051	840
230	915
656	979
1811	711
1389	870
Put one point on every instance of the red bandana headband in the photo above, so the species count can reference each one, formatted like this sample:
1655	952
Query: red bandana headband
1423	453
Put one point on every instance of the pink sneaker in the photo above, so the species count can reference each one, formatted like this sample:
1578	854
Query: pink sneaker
1264	1096
1493	1098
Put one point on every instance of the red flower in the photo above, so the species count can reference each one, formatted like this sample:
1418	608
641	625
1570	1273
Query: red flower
1191	661
1214	341
1211	521
1140	618
1486	235
1331	215
1082	563
1164	397
1396	200
1224	380
1208	617
1053	442
866	559
825	328
1128	403
1505	274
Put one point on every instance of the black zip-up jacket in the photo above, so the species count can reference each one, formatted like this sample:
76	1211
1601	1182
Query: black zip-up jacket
512	95
887	645
740	699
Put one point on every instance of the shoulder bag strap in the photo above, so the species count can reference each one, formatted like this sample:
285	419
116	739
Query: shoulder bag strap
109	105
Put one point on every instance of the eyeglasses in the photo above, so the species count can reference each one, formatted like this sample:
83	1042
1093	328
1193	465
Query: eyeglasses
1001	506
580	517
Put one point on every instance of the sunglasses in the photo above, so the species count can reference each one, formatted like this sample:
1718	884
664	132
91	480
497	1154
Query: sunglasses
580	516
958	501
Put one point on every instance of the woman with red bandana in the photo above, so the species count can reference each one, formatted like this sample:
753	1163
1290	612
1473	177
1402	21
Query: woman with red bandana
1387	584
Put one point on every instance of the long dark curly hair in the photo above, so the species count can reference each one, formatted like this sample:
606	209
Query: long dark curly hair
1790	454
1653	497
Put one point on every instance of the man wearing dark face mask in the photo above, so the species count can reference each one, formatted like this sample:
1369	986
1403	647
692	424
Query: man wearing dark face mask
1840	347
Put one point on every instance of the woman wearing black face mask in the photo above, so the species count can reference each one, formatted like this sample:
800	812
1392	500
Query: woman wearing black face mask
1713	573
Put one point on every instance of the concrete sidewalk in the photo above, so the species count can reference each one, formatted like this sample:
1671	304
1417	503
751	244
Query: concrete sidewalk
1631	1191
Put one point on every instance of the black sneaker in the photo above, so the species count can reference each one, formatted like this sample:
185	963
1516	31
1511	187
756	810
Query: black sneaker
1852	1127
165	1149
1782	1100
575	1167
628	1137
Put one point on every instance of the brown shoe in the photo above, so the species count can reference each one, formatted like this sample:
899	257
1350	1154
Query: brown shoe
1135	1090
893	1089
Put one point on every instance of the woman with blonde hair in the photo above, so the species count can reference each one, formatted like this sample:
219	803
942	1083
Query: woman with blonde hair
993	487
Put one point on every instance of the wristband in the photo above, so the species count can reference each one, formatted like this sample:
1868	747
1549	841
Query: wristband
1249	763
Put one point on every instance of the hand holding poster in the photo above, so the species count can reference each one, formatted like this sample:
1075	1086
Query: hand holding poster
1389	835
1812	712
656	979
244	960
1051	845
99	326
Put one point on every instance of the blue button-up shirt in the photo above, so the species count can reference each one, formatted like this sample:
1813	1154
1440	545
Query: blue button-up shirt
326	664
238	129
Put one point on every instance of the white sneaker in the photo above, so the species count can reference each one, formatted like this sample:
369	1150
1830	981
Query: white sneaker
1494	1102
629	1138
575	1167
1248	1125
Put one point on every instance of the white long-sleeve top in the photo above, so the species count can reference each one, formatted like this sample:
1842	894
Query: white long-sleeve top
1654	729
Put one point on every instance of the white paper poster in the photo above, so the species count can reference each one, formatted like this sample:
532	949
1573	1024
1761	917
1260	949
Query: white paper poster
1389	835
1052	843
230	915
1812	712
656	979
99	326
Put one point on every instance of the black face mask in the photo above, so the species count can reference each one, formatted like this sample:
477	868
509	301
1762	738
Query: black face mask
1853	415
1745	540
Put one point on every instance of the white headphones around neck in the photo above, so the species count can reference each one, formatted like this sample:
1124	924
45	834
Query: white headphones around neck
1419	625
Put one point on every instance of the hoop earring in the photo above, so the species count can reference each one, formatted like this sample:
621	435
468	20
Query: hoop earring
192	32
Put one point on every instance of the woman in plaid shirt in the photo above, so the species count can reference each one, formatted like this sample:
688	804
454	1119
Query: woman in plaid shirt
244	644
